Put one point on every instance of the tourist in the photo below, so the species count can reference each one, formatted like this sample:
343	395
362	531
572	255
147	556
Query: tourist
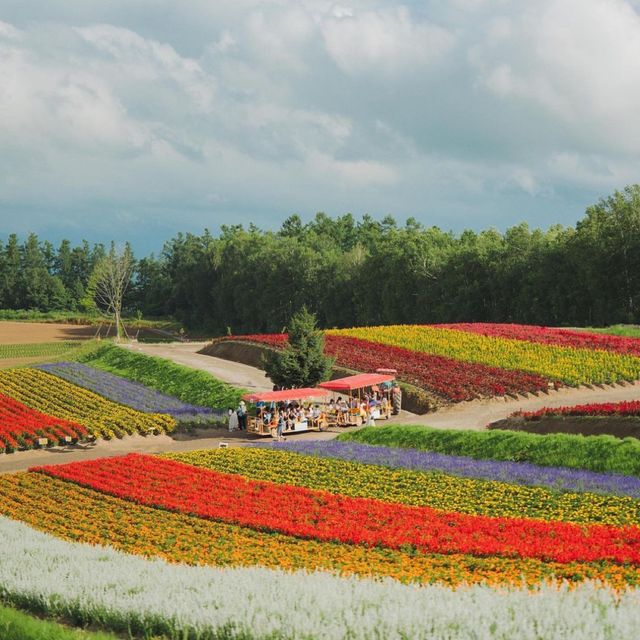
242	415
370	418
233	420
396	399
280	428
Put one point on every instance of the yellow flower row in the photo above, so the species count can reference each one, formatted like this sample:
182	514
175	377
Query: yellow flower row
437	490
101	417
75	513
573	366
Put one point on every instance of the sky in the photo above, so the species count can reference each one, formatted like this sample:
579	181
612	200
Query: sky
134	120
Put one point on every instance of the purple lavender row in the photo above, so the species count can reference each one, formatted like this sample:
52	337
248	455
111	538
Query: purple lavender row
556	478
127	392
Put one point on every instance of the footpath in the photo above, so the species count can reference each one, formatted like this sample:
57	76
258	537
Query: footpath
465	415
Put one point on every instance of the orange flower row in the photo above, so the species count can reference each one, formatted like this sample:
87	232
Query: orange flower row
75	513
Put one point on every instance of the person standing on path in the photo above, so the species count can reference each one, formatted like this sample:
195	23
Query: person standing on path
242	415
233	420
396	398
280	428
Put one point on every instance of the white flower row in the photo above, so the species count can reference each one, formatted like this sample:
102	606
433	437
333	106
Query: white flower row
119	590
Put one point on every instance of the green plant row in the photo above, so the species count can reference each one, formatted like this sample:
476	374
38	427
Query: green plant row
594	453
15	625
38	349
190	385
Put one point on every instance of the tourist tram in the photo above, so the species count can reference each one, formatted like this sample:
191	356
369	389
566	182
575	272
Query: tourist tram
268	403
353	393
344	402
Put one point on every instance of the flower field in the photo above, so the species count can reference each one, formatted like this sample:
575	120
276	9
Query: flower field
523	473
571	365
450	379
549	335
20	427
459	362
132	394
50	395
153	597
341	513
629	408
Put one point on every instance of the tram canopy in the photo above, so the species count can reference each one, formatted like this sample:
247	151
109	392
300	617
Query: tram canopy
286	394
358	381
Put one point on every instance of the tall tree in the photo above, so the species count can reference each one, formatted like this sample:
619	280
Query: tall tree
109	282
302	362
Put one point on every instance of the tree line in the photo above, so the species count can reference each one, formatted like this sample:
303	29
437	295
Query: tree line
359	272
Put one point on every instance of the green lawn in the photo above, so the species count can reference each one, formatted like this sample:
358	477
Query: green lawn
39	349
604	453
15	625
625	330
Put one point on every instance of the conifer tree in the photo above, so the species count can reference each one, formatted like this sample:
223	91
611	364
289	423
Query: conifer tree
302	362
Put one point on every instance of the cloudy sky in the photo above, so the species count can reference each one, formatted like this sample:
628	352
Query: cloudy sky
136	119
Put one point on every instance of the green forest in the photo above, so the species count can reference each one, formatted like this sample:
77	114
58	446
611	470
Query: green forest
364	271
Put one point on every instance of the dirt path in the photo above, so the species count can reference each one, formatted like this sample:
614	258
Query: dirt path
240	375
479	413
23	460
465	415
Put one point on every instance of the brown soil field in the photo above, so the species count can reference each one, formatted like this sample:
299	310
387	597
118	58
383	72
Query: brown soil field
33	332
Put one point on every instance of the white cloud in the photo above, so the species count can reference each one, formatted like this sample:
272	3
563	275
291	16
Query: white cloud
388	41
579	60
208	111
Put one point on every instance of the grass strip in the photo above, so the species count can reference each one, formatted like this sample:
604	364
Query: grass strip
38	349
605	454
192	386
16	625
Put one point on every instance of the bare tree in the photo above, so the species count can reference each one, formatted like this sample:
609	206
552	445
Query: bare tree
109	281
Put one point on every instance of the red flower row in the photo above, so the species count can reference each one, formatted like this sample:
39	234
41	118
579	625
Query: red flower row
21	426
320	515
451	379
548	335
629	408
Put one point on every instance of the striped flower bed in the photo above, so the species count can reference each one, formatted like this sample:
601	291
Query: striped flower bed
573	366
549	335
48	394
150	598
324	516
556	478
628	409
21	427
129	393
439	491
458	362
268	519
447	378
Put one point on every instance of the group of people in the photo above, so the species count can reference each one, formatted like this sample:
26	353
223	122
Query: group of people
283	416
365	408
238	417
278	417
